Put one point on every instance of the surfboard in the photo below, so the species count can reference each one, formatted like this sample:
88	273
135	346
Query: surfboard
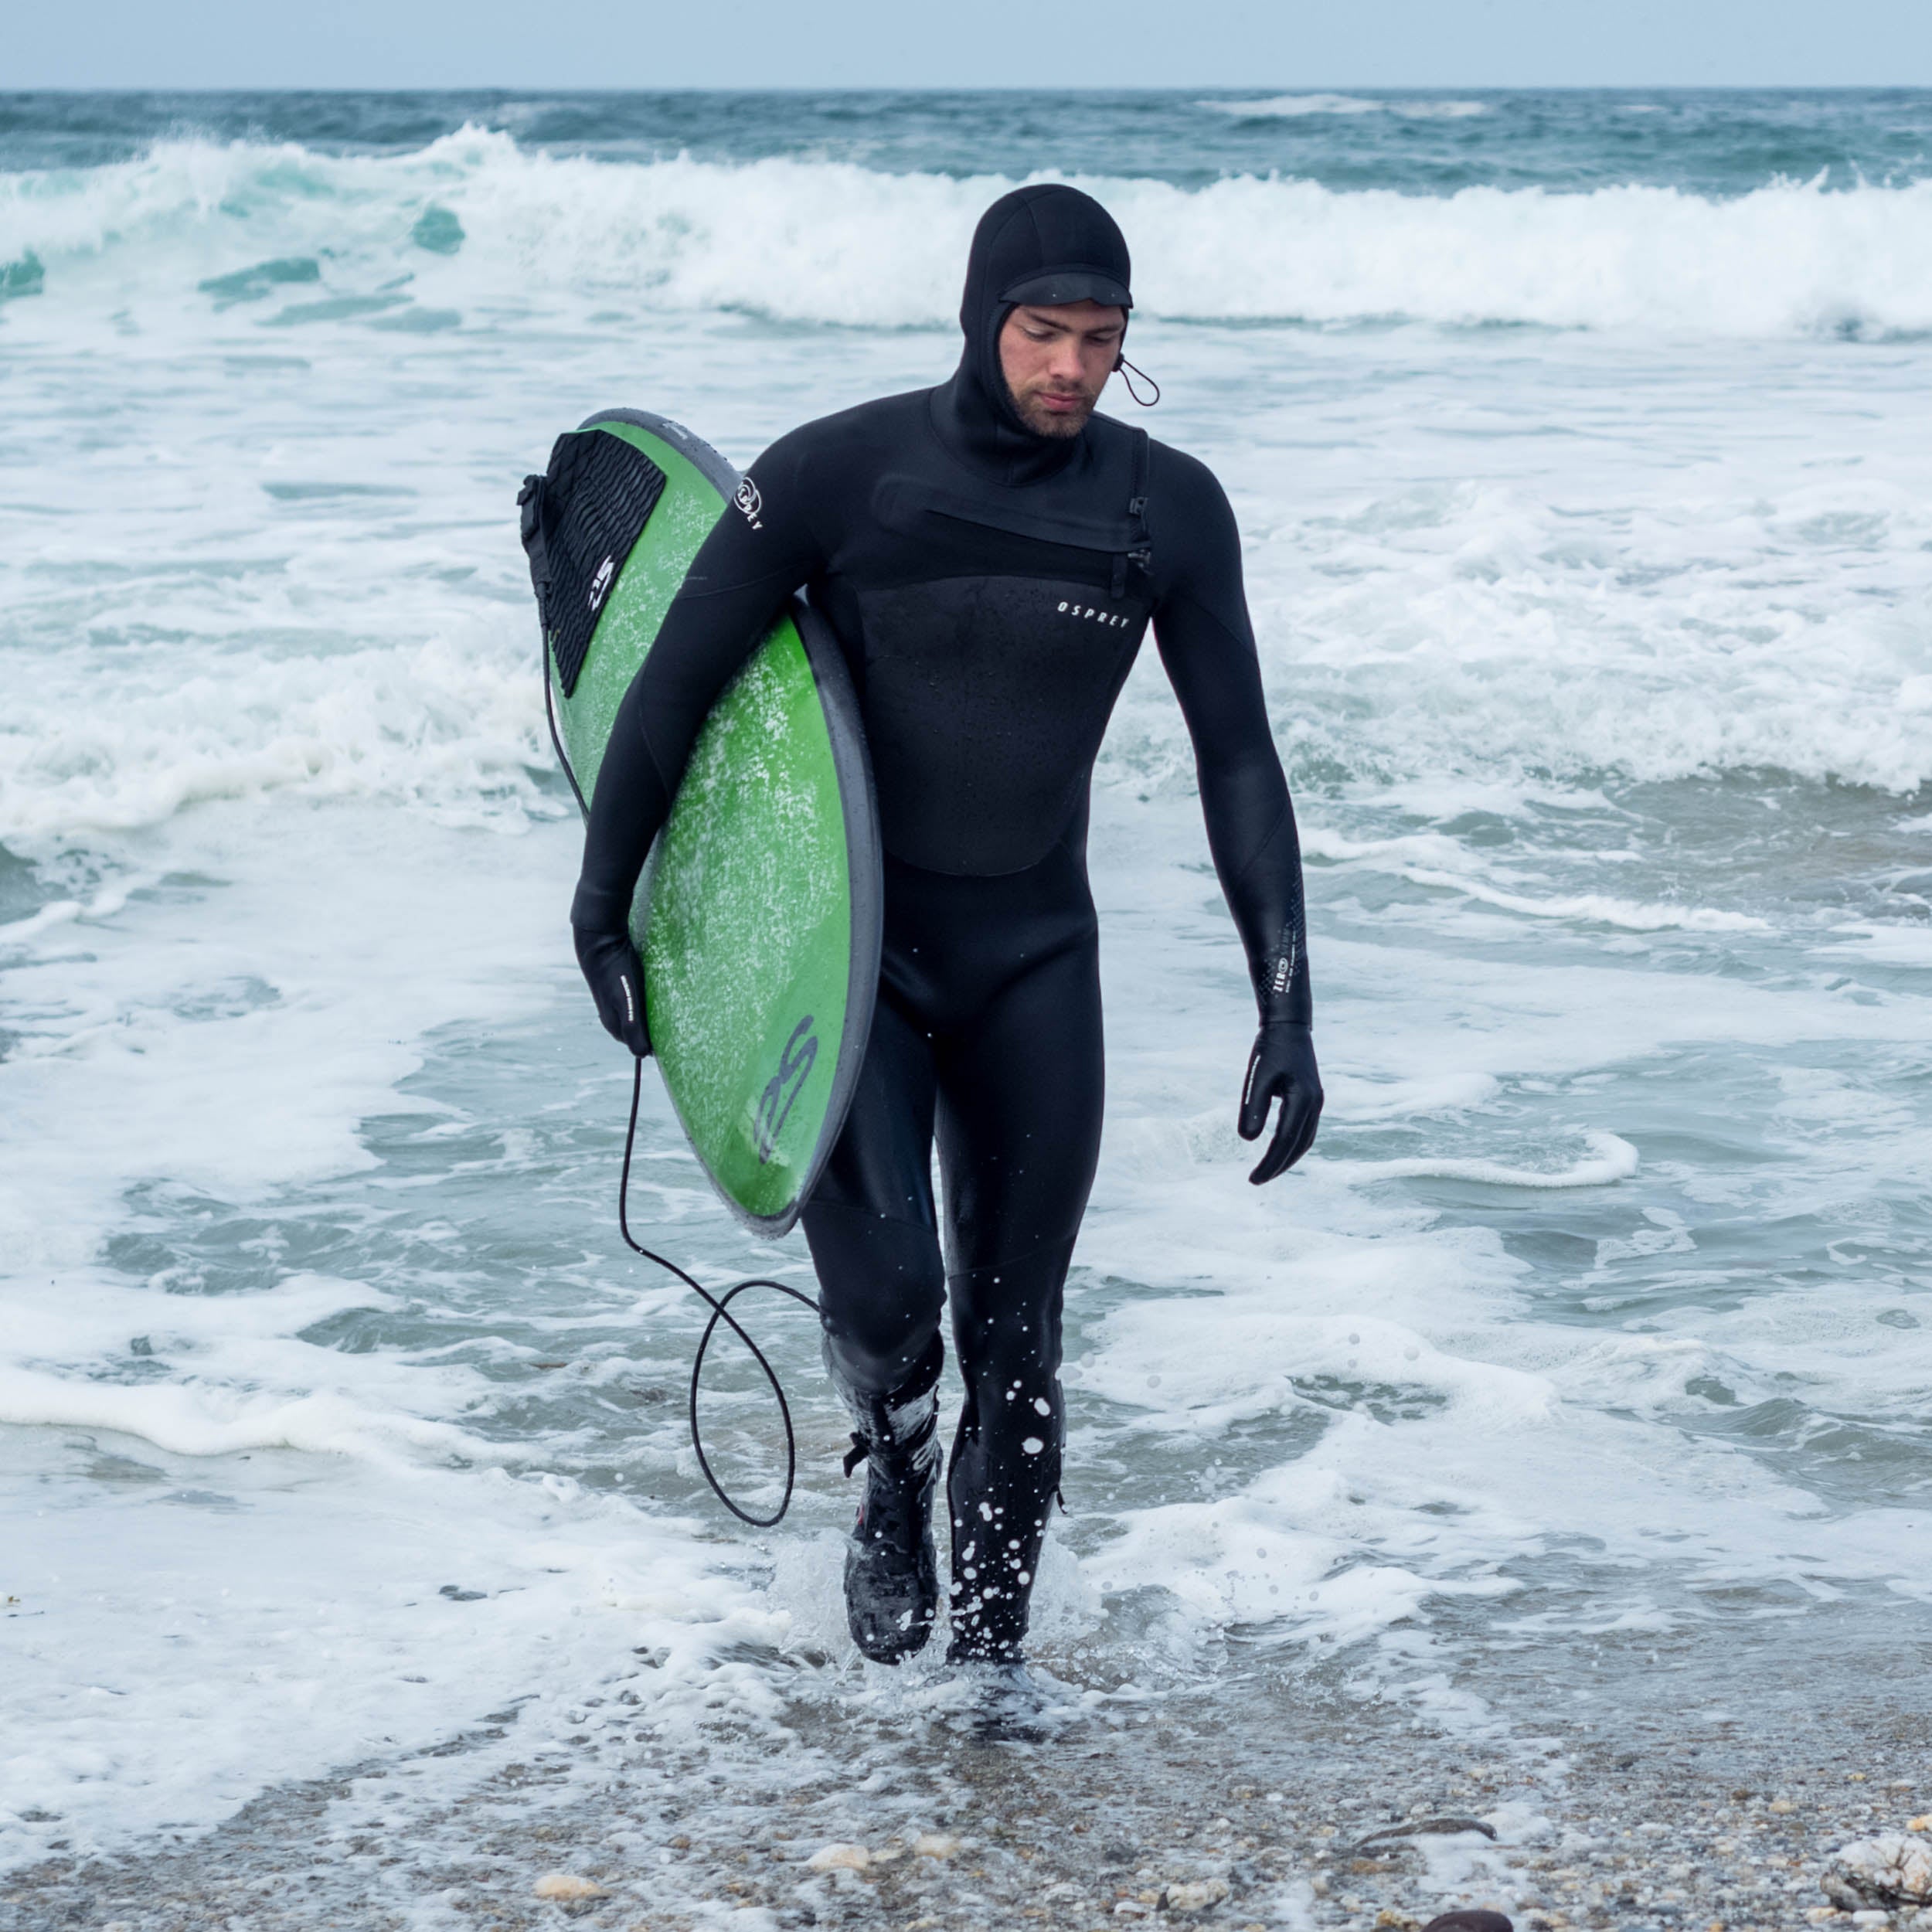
759	913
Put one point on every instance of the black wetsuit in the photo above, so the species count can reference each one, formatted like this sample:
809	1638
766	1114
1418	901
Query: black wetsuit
990	587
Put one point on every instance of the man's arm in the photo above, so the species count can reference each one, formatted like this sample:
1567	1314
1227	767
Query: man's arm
738	582
1207	644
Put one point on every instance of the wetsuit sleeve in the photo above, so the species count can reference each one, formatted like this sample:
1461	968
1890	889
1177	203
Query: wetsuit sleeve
738	582
1207	644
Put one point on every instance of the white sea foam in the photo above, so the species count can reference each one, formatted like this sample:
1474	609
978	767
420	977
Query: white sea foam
801	241
1610	1158
1299	107
257	1612
1593	908
428	723
1396	856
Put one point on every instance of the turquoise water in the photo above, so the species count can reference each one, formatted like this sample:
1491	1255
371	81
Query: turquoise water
1576	443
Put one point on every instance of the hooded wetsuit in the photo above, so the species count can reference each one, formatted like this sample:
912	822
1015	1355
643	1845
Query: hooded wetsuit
990	587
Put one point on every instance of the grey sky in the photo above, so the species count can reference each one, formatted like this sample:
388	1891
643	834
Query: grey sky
758	43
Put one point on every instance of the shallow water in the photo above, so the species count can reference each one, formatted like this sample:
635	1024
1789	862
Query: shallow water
1588	1354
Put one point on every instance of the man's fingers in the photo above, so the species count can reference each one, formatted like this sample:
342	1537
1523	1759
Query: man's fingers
630	1028
1308	1119
616	978
1276	1160
1304	1137
1293	1135
1256	1092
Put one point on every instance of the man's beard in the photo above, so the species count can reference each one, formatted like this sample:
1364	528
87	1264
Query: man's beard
1044	422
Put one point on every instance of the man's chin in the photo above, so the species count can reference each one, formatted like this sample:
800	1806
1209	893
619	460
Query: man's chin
1057	424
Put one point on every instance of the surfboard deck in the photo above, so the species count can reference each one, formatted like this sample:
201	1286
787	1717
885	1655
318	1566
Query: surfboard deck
759	913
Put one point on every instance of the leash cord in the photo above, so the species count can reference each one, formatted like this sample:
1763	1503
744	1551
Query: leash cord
720	1308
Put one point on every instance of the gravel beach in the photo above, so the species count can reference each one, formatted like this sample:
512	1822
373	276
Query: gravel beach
879	1809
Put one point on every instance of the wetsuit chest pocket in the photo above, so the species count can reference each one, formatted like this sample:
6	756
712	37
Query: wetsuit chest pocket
976	530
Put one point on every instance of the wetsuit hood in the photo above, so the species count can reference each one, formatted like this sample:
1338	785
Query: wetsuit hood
1047	244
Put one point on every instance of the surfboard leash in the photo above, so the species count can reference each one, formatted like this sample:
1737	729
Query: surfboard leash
720	1308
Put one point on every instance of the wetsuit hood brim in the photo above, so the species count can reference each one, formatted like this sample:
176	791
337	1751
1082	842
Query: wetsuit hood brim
1062	285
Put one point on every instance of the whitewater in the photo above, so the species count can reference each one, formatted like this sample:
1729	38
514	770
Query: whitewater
1578	447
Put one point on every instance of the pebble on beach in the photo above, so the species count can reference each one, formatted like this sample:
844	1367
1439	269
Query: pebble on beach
1889	1870
935	1844
1196	1897
839	1858
565	1888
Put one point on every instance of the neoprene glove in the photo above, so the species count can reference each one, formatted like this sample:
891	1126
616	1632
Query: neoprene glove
1282	1066
615	975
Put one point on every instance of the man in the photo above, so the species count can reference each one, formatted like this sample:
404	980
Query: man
989	553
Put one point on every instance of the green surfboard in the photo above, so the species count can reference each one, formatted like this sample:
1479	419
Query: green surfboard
758	915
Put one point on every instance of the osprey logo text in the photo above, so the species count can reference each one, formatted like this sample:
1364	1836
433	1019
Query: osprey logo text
783	1089
600	583
1087	612
747	500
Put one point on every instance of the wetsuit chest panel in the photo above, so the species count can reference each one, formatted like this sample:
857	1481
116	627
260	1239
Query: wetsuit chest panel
986	699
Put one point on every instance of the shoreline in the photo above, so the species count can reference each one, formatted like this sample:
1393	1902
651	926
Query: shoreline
1177	1817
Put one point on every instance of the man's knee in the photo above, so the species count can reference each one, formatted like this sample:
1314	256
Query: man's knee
1006	1323
881	1289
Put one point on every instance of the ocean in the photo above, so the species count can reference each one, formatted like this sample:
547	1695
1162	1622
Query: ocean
1579	1378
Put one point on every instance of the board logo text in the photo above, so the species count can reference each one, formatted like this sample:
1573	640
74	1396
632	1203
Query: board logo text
783	1089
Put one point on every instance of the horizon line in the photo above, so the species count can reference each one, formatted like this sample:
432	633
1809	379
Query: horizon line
1257	89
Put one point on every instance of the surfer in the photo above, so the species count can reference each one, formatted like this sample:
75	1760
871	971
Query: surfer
989	553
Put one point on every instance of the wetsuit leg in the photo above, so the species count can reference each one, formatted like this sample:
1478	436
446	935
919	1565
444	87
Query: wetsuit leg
1020	1093
870	1224
987	1037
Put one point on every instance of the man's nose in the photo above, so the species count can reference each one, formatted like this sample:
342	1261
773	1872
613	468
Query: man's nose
1067	365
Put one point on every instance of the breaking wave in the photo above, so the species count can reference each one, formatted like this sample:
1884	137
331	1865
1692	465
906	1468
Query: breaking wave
1300	107
474	217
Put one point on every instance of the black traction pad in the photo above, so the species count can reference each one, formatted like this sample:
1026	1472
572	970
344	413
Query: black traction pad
581	518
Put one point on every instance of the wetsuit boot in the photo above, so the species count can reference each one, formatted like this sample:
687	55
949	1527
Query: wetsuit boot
992	1589
999	1508
892	1576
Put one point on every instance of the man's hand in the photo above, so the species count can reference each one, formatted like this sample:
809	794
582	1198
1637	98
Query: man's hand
615	975
1282	1066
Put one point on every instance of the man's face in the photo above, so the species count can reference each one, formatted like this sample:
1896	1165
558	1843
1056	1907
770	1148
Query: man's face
1056	361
